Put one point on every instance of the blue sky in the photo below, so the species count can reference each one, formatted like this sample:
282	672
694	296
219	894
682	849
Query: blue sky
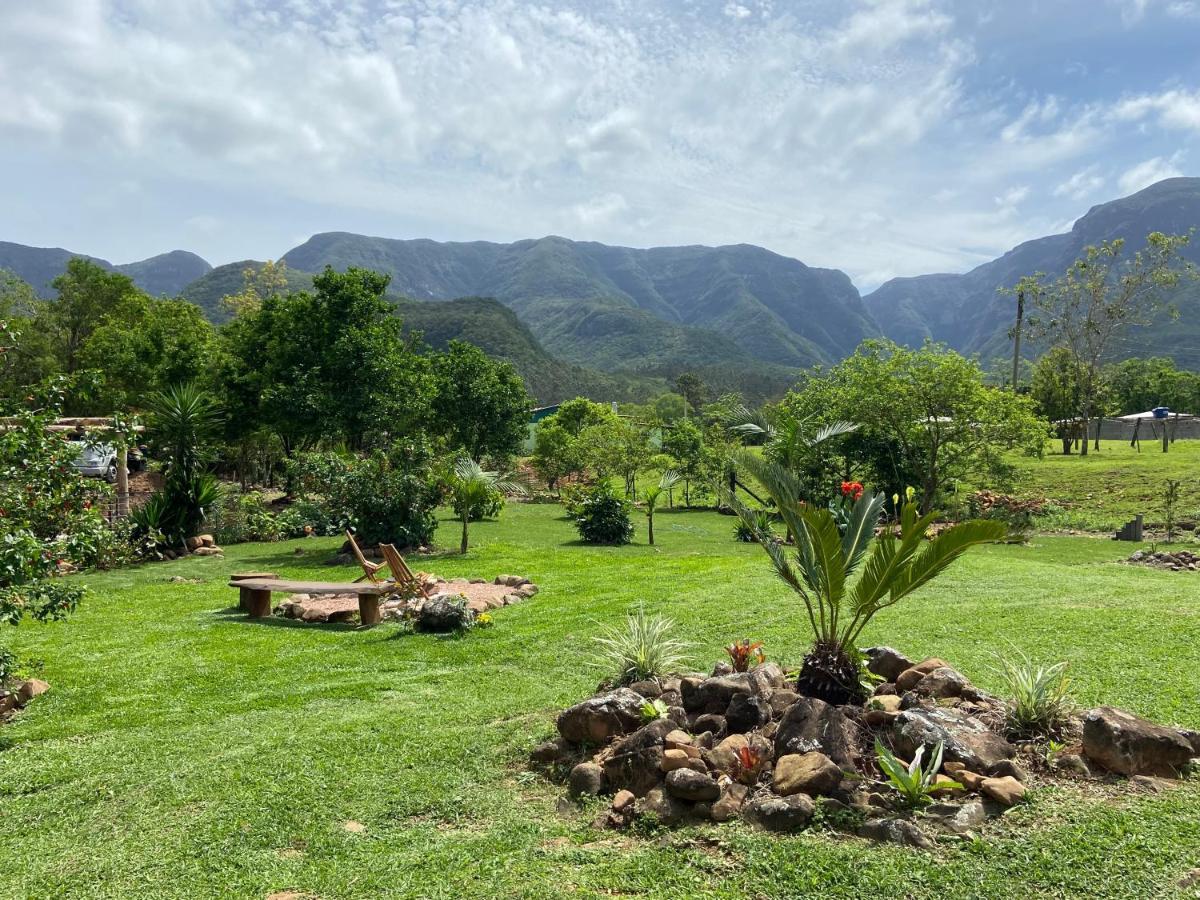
881	137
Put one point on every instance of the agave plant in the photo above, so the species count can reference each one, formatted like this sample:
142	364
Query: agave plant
821	565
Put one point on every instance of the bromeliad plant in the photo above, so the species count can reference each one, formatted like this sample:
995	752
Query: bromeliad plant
913	782
743	654
825	558
642	648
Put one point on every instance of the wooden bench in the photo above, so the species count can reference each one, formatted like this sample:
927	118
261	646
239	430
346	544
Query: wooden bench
257	593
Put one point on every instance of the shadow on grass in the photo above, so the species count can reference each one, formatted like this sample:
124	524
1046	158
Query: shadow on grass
236	614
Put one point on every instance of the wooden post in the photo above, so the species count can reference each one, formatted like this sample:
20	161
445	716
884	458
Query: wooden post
259	603
243	593
122	481
368	609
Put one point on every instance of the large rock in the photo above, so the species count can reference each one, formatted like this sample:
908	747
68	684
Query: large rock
965	739
443	614
746	712
943	682
635	763
958	819
729	805
1124	743
689	785
907	680
784	814
660	805
896	831
597	719
724	756
34	687
806	773
713	694
811	724
586	780
886	662
1006	790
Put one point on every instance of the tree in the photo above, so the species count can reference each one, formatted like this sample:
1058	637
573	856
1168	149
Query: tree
1137	385
691	387
268	280
653	494
617	447
471	486
1056	387
927	418
184	422
556	453
684	443
576	415
1100	298
87	294
480	403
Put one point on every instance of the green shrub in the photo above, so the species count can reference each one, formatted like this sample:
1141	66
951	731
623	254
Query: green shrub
913	782
297	519
603	517
642	647
245	517
1038	699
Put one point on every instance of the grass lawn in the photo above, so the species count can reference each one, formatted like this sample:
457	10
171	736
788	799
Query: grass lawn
1104	490
185	751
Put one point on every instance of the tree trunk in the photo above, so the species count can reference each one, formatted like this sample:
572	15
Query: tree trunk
1017	339
1083	444
650	527
463	546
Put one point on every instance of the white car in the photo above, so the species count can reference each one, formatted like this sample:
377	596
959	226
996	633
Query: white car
96	460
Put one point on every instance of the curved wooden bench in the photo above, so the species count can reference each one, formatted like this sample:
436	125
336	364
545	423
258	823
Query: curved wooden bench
257	593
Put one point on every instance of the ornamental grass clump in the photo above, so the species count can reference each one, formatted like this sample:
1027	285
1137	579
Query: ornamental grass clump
641	648
1038	703
826	556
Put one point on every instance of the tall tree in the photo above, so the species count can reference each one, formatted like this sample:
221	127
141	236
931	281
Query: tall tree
1104	294
691	387
87	294
479	403
1057	383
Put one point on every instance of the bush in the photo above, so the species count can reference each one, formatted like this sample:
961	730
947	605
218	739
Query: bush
1038	699
382	501
641	648
603	517
245	517
297	520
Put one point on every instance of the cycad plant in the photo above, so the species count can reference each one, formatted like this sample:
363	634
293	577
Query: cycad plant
653	494
472	485
825	558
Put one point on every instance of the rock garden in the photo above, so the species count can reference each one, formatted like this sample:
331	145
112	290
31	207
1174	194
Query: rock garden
926	754
1174	561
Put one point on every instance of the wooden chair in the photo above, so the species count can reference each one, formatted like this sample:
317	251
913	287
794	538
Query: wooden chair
369	568
401	573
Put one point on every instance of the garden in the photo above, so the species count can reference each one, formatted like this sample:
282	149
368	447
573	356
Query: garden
354	641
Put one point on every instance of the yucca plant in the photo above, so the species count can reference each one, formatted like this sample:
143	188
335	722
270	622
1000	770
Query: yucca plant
653	494
1038	700
820	567
642	647
913	782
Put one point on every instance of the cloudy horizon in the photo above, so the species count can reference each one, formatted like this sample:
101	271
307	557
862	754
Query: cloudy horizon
880	137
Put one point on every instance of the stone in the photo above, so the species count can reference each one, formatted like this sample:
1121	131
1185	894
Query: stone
677	739
8	702
952	768
713	694
442	614
886	662
1130	745
965	739
661	806
1006	790
724	756
956	818
944	785
908	679
700	812
635	763
1073	763
1193	738
771	674
586	780
729	804
746	712
598	719
709	722
674	759
623	800
780	701
782	814
1010	768
1190	880
811	773
34	687
549	751
943	682
648	689
885	702
527	590
687	784
354	827
1152	784
698	765
811	724
895	831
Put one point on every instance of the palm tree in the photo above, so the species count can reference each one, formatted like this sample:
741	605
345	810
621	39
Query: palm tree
472	485
825	558
669	479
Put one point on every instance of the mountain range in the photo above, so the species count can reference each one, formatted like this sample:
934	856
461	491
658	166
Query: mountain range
619	322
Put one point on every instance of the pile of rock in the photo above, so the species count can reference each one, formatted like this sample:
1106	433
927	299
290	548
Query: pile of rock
204	545
746	745
1179	561
451	605
17	695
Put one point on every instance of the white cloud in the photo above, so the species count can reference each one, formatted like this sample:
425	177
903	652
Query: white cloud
598	210
1172	109
1149	172
1082	184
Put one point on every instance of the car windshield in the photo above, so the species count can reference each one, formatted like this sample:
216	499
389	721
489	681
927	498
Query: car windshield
92	455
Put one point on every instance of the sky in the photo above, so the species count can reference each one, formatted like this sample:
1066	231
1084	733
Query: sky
880	137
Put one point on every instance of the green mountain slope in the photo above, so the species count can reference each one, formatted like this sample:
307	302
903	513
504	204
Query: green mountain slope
207	291
167	273
966	311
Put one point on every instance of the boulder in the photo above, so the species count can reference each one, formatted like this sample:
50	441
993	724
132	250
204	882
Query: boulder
783	814
674	759
635	762
746	712
895	831
729	804
965	738
1010	768
661	806
709	722
886	662
1006	790
597	719
724	756
687	784
780	701
713	694
907	680
34	687
649	689
943	682
806	773
586	780
811	724
623	800
955	818
550	751
771	674
442	614
1129	745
